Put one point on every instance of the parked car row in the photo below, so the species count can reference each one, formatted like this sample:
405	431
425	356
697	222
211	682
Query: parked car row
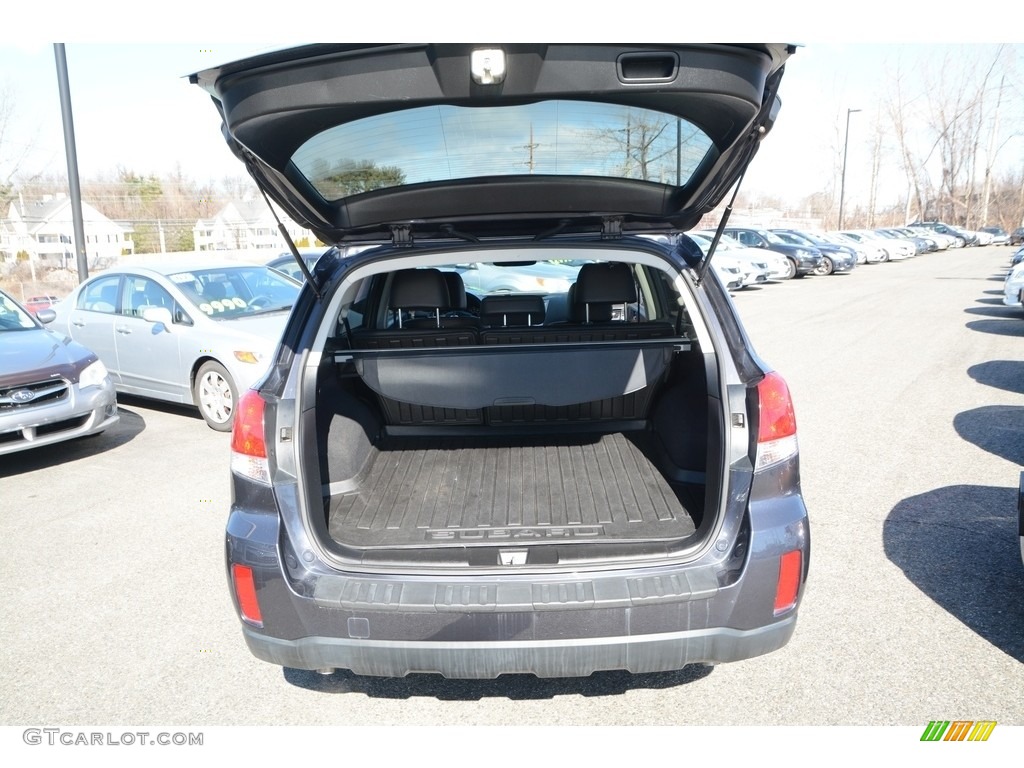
772	254
185	333
990	235
202	335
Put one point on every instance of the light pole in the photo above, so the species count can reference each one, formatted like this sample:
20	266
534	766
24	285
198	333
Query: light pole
842	183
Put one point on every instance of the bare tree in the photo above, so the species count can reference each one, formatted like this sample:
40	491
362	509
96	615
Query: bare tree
648	149
12	155
877	150
901	112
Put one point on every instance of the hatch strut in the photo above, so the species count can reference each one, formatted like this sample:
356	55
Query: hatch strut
702	268
758	132
284	233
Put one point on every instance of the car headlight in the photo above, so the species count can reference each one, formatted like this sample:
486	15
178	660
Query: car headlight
94	375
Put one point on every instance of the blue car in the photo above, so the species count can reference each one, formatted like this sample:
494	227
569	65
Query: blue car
835	258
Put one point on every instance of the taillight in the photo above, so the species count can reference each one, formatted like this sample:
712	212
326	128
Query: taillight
245	592
788	585
248	444
776	433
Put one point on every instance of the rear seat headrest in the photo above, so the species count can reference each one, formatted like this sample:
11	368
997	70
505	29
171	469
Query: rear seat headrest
519	309
418	288
456	290
605	284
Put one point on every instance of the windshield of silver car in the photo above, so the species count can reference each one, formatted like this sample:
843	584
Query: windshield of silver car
236	291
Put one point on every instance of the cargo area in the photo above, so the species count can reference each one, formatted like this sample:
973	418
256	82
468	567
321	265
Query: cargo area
566	426
481	491
625	474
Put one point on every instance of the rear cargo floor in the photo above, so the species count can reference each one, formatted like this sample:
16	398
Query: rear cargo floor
429	492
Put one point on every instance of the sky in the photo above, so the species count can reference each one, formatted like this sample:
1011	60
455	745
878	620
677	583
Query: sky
134	108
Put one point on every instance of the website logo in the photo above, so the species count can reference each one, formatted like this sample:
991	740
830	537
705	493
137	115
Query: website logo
958	730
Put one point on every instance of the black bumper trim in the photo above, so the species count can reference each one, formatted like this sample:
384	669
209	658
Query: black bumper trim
544	658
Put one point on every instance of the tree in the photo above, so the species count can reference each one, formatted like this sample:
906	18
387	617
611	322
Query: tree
350	177
12	156
877	152
947	132
648	147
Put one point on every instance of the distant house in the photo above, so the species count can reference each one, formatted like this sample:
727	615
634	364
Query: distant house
44	230
247	226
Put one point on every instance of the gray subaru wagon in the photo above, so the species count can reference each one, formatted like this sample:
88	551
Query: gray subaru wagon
557	477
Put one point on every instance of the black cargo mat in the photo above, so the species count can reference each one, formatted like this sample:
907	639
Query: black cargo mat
429	492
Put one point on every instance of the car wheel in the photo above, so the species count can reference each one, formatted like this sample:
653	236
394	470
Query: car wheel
215	395
826	267
791	271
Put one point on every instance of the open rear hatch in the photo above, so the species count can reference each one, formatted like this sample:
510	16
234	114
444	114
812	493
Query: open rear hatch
415	140
467	144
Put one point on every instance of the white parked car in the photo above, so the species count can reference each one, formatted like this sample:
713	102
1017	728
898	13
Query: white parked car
1013	288
984	238
876	251
897	249
762	265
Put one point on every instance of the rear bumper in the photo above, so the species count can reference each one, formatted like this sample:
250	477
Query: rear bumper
652	618
544	658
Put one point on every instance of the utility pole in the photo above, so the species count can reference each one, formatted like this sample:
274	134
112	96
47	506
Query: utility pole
842	183
72	158
531	146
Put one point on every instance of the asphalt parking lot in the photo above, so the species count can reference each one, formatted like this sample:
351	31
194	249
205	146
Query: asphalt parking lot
908	380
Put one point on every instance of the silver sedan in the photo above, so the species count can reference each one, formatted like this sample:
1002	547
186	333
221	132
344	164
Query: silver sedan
195	334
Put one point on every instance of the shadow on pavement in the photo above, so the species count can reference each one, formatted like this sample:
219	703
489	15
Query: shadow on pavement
997	309
514	687
1006	326
960	546
176	409
129	425
1001	374
998	429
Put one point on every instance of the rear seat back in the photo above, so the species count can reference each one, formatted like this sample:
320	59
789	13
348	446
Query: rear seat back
513	319
598	288
416	290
